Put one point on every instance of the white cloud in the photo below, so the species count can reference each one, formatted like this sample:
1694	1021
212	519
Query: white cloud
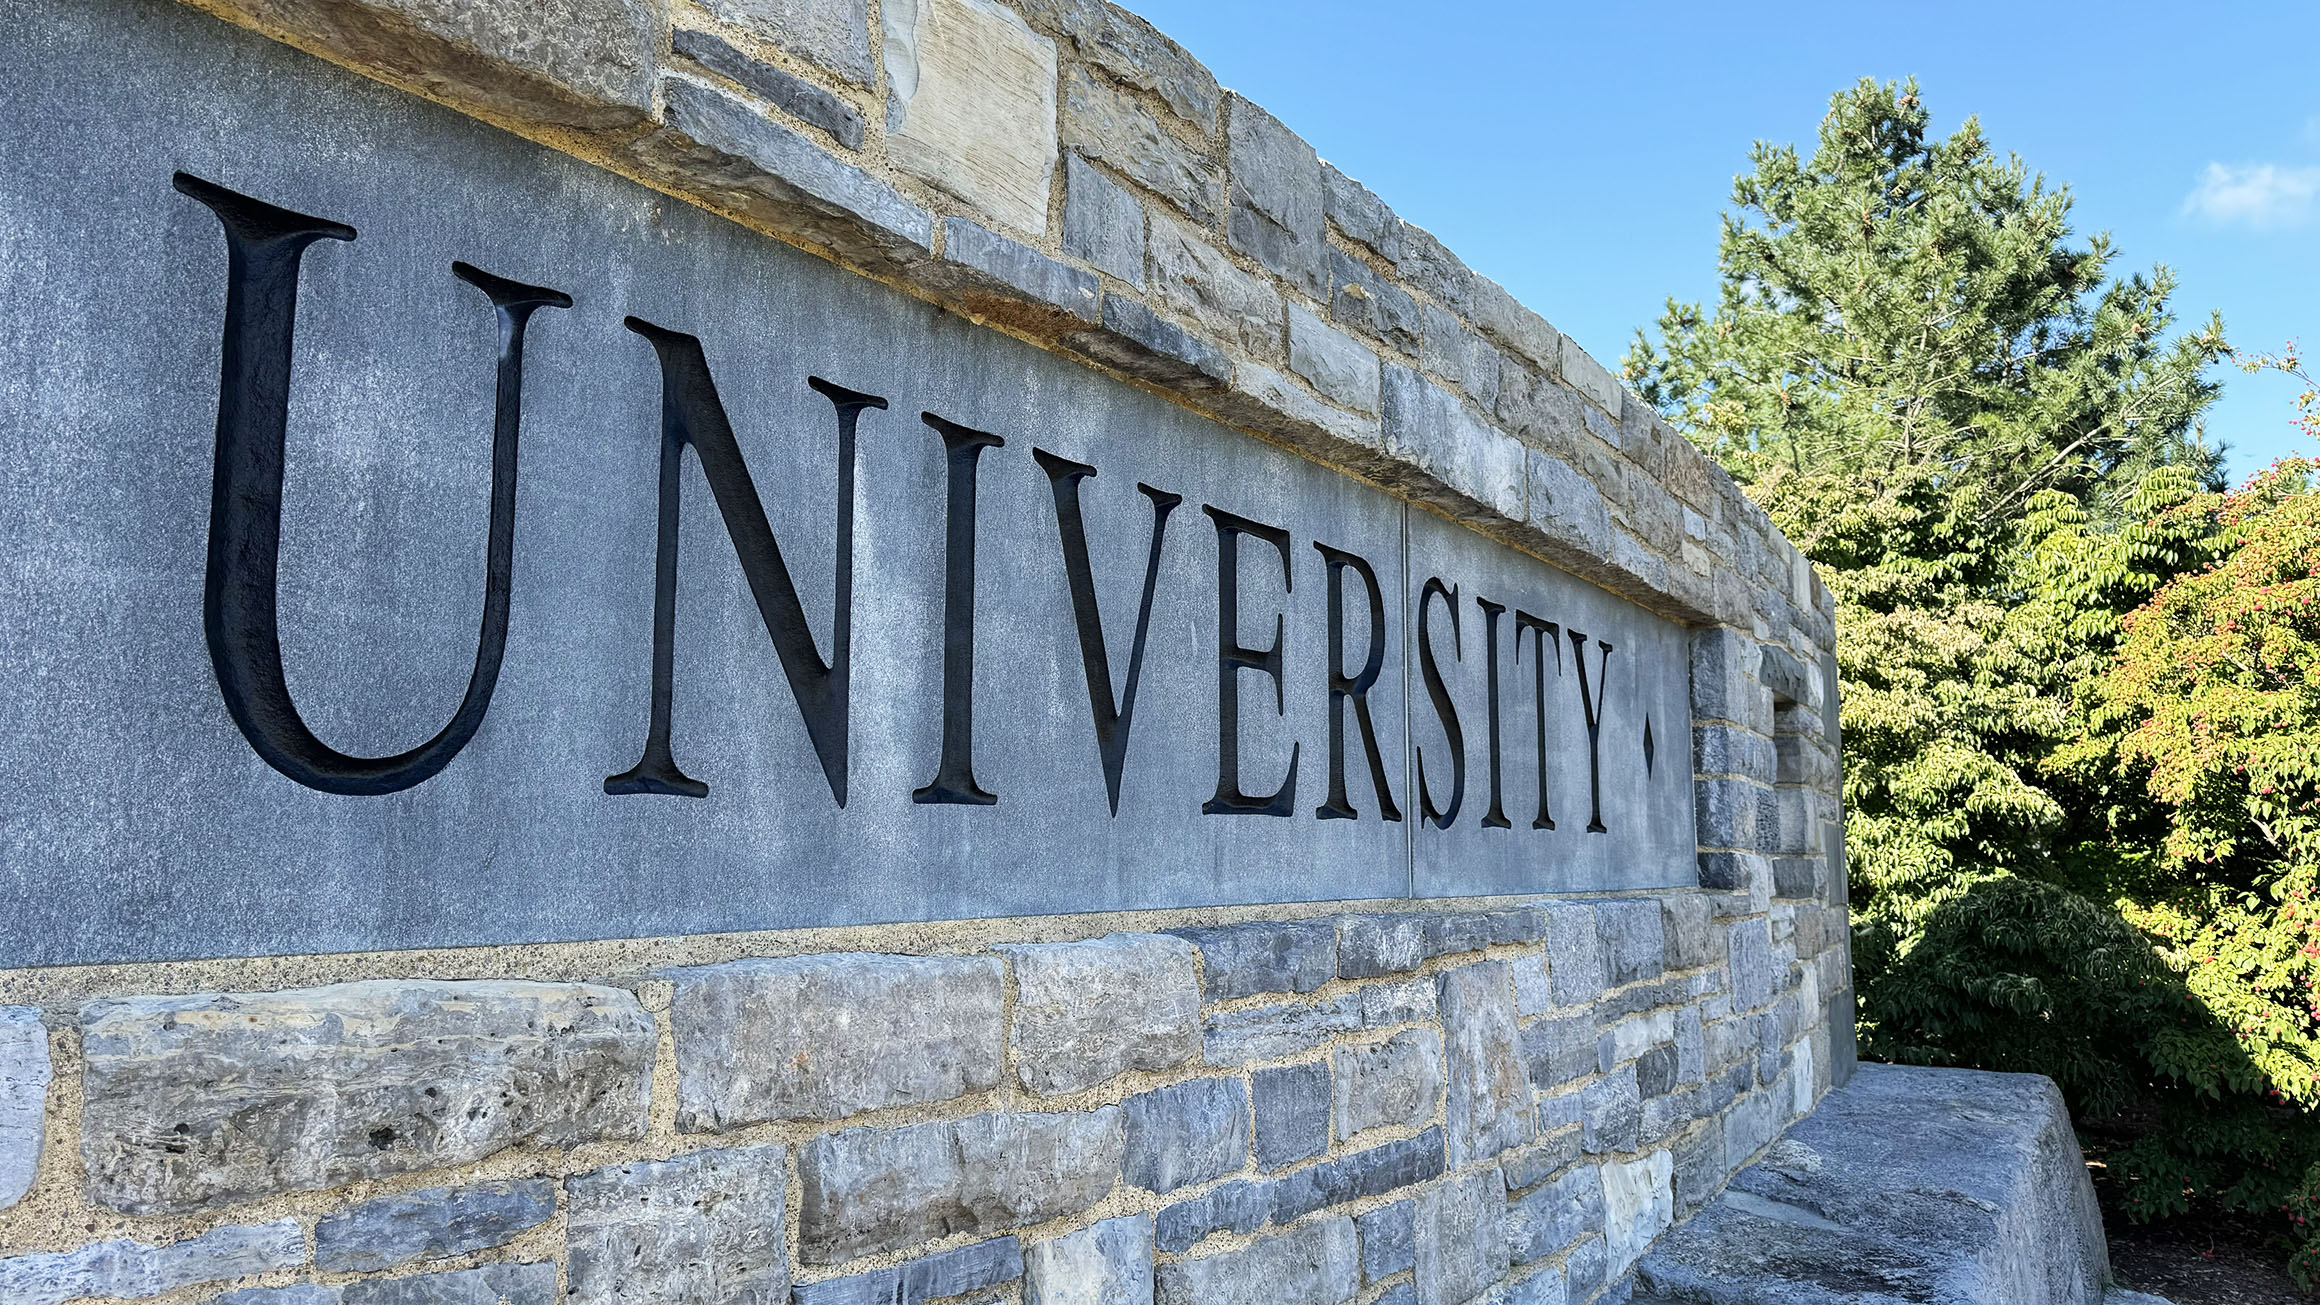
2265	196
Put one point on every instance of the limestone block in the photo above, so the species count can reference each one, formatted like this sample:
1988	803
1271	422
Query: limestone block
1362	298
1358	212
1611	1113
1566	507
706	1227
1533	993
1389	1240
1634	939
1461	1248
832	33
1241	960
1586	1268
1526	1167
515	1284
1276	197
1429	429
1489	1093
1592	379
970	105
1237	1206
1432	269
1001	278
1339	366
1088	1011
1373	1172
1372	945
131	1270
1291	1105
1107	1263
1103	222
794	96
1103	122
1755	979
1271	404
1451	350
1690	938
1408	1001
24	1073
1727	812
1503	318
712	142
1134	52
876	1189
1639	1204
1237	1037
199	1100
944	1274
1541	411
1395	1082
1195	278
576	63
1315	1264
824	1037
430	1224
1186	1133
1140	342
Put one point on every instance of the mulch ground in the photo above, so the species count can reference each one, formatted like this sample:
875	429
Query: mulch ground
2195	1261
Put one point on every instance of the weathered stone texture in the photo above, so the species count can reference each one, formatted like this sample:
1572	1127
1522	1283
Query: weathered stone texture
1358	212
1638	1204
1373	1172
1103	223
1408	1001
939	1276
707	1226
1242	960
1388	1240
1367	301
24	1074
876	1189
1489	1094
196	1101
1460	1248
1342	368
1089	1011
1429	429
754	1039
1291	1105
514	1284
1103	123
1555	1214
129	1270
1238	1037
794	96
1276	197
1193	277
1237	1206
1395	1082
832	33
970	105
1133	51
1107	1263
998	277
1314	1264
430	1224
1186	1133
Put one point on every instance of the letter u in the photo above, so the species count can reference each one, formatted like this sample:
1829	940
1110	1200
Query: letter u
263	247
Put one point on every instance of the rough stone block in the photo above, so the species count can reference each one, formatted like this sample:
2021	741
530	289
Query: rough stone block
1392	1083
1108	1263
431	1224
1451	350
1690	937
1540	1286
130	1269
1556	1214
1489	1091
1592	379
1556	1051
1103	122
754	1038
1370	946
1408	1001
1744	872
1271	404
939	1276
970	104
1634	939
1632	1037
1503	318
1611	1112
1186	1133
1527	1167
1432	269
1276	197
1373	1172
876	1189
1292	1112
794	96
1358	212
712	141
1195	278
1140	342
1429	429
1133	51
707	1226
1241	960
1451	932
1461	1246
1728	750
514	1284
1541	411
1389	1240
1586	1268
24	1074
1315	1264
1690	1046
1367	301
834	34
1639	1204
1103	223
1727	812
1576	967
1567	507
1237	1206
1000	277
1089	1011
1755	981
1342	368
1237	1037
1533	994
332	1085
1655	1071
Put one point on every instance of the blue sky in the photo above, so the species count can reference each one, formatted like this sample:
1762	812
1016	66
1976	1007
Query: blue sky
1579	155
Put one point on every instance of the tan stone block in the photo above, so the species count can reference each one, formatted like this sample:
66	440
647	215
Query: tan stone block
971	105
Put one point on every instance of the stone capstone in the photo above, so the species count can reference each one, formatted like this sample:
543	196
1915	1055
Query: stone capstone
1908	1183
24	1074
1103	122
1107	1263
1460	1248
754	1039
1000	277
1395	1082
832	33
1291	1105
1314	1264
1276	197
707	1226
430	1224
1489	1091
1186	1133
131	1270
970	105
1103	223
794	96
1089	1011
876	1189
1428	428
1242	960
944	1274
1134	52
1140	342
191	1102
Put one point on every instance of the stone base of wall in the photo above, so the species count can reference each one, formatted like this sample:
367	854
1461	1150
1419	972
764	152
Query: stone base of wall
1508	1101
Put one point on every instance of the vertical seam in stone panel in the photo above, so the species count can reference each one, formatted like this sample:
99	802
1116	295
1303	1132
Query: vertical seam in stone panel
1409	738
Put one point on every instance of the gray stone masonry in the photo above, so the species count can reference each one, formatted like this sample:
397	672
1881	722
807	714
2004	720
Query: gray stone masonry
1461	1246
24	1073
707	1226
130	1269
430	1224
1107	1263
1090	1011
943	1274
794	96
1243	960
1313	1264
1488	1104
1291	1104
1397	1082
1186	1133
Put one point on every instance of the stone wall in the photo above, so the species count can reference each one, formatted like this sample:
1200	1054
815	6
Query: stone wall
1503	1099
